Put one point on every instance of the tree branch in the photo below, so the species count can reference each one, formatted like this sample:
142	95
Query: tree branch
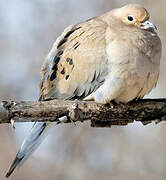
146	111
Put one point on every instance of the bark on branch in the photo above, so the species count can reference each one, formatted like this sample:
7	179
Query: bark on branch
146	111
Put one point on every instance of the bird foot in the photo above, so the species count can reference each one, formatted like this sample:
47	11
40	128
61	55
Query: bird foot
76	114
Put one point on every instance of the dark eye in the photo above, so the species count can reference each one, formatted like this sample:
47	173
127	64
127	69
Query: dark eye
130	18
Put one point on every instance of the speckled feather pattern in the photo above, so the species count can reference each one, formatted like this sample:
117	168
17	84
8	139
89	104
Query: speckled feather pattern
81	67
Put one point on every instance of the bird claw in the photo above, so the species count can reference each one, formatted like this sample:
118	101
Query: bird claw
12	123
75	113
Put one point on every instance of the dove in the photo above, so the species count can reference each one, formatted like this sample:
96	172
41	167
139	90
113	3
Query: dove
114	56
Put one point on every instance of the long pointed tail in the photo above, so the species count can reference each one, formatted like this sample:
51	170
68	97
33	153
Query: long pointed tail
30	144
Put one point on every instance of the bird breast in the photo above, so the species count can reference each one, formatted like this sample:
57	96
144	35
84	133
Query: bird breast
136	61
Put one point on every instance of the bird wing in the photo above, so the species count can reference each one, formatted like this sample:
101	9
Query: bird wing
77	64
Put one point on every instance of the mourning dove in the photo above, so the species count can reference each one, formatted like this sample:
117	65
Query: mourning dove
115	56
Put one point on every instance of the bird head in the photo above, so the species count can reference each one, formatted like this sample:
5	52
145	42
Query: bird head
134	15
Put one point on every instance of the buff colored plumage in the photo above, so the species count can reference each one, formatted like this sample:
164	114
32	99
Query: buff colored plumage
107	57
115	56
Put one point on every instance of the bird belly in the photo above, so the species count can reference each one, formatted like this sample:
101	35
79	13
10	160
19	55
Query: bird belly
123	85
137	87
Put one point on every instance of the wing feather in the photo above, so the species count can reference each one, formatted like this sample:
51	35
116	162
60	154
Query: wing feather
76	65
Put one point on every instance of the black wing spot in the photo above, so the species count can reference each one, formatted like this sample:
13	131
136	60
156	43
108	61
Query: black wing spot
61	42
76	45
63	71
67	77
53	75
59	53
69	60
55	66
70	32
56	61
67	36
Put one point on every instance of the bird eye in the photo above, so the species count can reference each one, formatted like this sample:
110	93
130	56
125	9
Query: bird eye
130	18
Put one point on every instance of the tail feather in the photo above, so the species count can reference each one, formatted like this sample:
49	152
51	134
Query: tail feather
13	166
30	144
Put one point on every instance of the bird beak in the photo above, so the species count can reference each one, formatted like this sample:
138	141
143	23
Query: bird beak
148	25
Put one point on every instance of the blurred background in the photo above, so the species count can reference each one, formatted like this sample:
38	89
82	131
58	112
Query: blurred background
28	29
